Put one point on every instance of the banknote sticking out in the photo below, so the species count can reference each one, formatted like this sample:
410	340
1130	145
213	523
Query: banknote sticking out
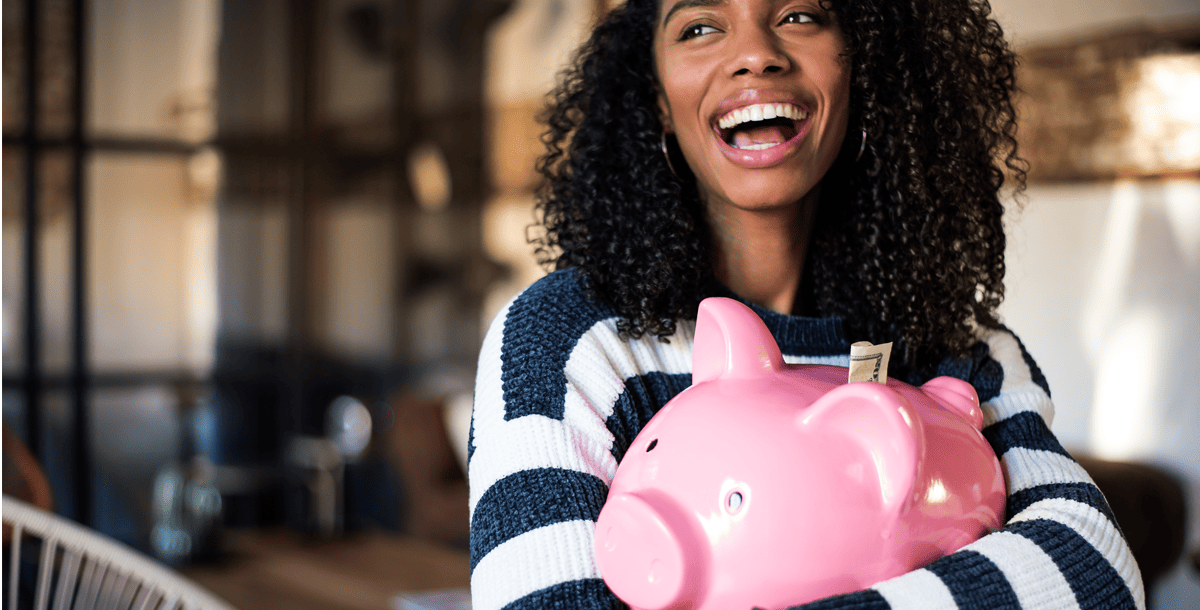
869	362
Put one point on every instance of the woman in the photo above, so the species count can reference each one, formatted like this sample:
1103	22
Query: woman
837	165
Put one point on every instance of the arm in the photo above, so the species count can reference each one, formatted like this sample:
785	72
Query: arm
537	483
552	413
1061	547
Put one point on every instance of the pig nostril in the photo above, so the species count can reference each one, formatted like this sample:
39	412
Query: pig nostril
653	444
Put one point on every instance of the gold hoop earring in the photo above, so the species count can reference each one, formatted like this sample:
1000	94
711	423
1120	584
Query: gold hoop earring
862	147
666	153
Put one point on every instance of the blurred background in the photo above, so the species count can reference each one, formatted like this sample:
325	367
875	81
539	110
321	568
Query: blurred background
250	250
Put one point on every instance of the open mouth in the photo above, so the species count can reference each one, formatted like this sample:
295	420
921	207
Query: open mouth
761	126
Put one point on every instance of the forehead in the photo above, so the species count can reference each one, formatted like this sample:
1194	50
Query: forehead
679	4
668	7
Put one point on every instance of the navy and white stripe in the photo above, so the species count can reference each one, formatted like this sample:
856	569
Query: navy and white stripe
560	396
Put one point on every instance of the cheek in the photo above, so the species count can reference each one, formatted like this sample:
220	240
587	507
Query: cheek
683	92
839	70
833	76
675	87
841	118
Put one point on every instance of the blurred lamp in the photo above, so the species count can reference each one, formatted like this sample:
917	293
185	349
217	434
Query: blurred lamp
430	177
348	425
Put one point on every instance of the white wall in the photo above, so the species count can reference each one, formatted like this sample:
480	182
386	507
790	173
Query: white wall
1104	289
1043	21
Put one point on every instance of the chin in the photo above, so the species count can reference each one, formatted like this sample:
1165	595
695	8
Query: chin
764	192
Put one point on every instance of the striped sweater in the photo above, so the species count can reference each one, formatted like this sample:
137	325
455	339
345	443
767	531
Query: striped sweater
560	396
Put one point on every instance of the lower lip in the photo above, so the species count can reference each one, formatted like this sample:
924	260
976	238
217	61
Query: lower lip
765	157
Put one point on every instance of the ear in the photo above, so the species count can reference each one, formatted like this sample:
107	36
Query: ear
883	425
957	394
664	112
732	341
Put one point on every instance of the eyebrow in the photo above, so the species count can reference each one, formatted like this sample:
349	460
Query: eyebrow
682	4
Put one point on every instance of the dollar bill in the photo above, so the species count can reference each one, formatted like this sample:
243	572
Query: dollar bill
869	362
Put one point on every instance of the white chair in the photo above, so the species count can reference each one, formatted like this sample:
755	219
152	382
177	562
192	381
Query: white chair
85	570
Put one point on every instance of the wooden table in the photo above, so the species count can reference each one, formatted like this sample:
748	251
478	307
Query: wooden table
282	569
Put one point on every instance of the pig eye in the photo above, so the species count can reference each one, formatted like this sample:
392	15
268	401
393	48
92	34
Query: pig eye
652	445
733	503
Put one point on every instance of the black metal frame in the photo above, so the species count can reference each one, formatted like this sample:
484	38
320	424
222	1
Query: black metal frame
79	380
304	149
32	379
300	148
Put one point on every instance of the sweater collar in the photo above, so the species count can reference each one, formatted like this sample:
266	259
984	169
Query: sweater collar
797	334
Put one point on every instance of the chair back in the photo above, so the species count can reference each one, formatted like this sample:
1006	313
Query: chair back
80	569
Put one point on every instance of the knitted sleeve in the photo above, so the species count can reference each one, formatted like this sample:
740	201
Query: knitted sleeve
1060	548
558	398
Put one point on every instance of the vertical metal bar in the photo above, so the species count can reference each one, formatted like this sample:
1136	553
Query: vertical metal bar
45	573
289	413
14	565
303	64
407	24
33	339
79	363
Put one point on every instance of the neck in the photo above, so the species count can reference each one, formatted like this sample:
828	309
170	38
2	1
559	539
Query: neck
761	253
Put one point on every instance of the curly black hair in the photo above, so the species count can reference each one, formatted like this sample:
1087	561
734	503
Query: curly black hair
908	244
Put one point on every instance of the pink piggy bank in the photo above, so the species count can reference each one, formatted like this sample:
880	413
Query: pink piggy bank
769	485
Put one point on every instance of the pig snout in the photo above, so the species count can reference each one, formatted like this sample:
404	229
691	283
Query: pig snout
645	553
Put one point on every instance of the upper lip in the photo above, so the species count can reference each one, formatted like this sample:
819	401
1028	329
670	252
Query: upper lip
750	97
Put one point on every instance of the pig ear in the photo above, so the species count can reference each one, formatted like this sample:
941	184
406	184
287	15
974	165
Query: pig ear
957	394
883	426
731	341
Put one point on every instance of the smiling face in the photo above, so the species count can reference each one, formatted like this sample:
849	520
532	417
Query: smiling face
757	94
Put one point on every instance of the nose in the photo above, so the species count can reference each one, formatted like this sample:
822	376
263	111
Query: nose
642	555
757	53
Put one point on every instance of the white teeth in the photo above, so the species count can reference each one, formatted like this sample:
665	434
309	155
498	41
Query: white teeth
760	112
762	146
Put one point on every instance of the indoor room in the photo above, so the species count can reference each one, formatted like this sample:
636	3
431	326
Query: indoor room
252	251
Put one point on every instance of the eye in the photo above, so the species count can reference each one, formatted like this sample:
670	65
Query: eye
652	445
798	17
696	30
733	502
